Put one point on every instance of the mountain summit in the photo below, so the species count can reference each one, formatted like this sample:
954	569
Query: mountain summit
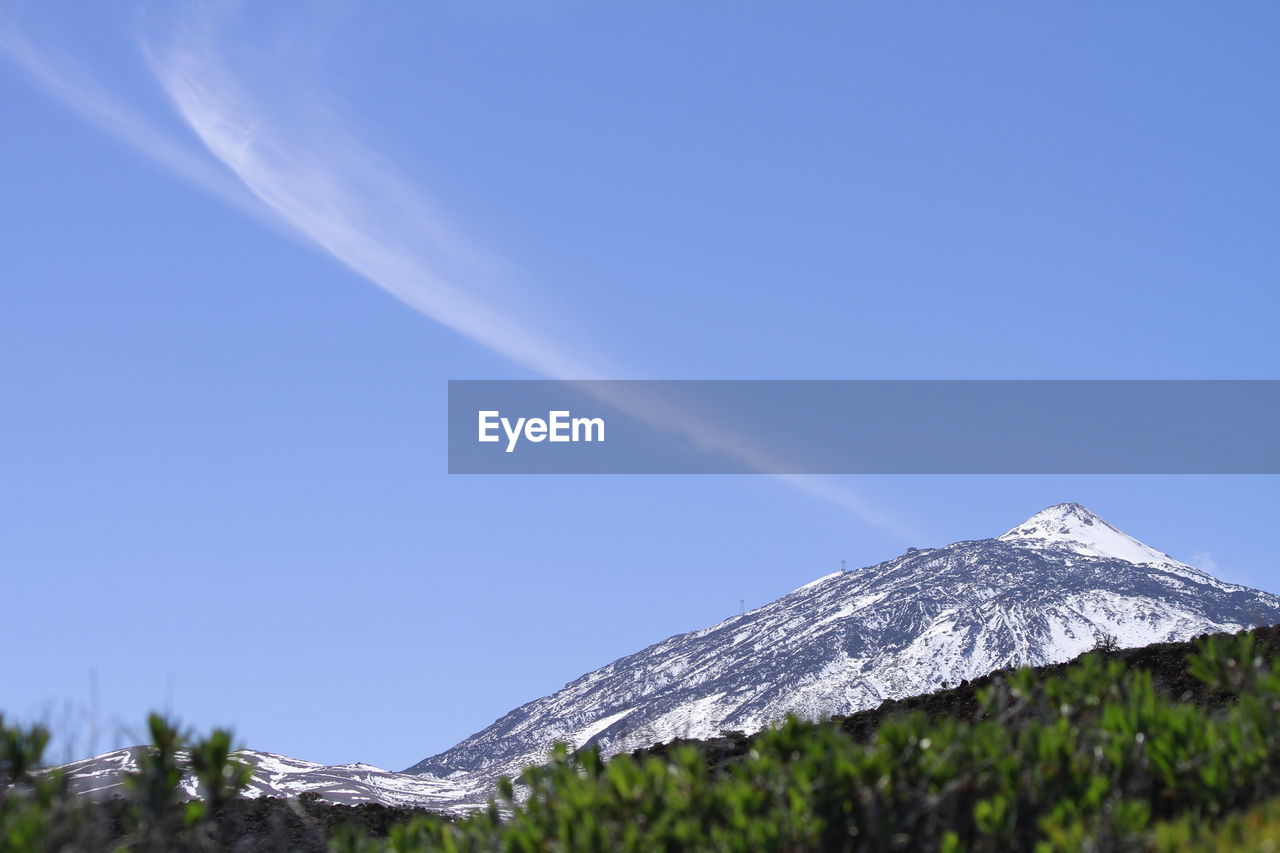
1076	529
1043	592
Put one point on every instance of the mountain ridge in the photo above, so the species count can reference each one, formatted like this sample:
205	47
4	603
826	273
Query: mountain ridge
1041	593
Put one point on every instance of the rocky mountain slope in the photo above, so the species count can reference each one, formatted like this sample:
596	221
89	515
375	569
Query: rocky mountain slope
1043	592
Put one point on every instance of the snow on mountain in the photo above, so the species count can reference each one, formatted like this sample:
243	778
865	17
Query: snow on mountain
102	777
1041	593
1074	528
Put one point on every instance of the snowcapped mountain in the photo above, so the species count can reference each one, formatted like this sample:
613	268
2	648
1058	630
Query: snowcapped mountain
1043	592
102	777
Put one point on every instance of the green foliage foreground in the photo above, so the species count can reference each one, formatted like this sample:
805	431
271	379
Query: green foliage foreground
39	810
1094	758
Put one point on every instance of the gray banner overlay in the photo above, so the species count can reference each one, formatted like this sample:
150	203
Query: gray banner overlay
864	427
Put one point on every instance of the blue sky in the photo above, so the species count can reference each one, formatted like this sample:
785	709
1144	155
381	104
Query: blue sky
243	254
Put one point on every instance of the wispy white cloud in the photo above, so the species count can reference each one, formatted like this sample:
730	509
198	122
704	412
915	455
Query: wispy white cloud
306	167
298	164
70	84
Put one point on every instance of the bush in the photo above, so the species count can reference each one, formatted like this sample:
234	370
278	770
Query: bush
38	811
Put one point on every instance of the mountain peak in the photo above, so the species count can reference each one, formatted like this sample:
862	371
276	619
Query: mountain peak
1061	518
1077	529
